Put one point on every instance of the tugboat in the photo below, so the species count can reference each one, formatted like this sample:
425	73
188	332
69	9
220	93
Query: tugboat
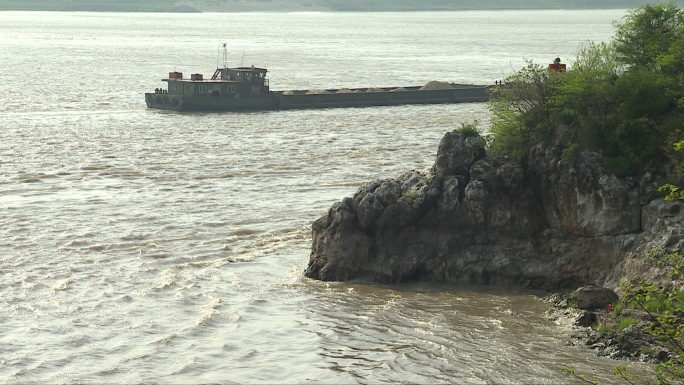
247	89
229	89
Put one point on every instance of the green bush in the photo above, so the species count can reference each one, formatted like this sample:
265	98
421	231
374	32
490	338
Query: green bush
602	327
635	119
617	309
569	154
654	306
624	323
522	112
469	130
624	98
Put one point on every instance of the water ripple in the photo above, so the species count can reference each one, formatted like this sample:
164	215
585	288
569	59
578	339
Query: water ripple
142	246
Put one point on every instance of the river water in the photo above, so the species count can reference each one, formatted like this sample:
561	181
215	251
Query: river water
142	246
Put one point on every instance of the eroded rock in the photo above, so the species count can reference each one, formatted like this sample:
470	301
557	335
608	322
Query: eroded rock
593	297
477	219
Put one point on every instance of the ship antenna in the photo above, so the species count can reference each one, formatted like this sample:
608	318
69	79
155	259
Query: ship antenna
243	57
225	56
218	55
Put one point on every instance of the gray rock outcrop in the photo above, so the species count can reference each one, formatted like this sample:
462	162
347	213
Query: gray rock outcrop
476	219
593	297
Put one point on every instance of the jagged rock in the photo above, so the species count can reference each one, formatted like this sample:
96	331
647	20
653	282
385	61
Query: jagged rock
593	297
581	197
456	153
476	219
585	319
663	228
632	343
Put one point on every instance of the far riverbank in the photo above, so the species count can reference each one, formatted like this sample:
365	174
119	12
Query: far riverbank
309	5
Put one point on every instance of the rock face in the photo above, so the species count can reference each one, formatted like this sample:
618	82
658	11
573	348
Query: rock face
476	219
593	297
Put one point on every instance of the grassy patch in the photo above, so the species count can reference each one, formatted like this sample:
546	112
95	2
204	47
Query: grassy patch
626	322
602	328
469	130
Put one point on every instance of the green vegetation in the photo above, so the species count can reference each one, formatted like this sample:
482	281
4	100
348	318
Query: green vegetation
521	112
610	324
664	310
672	191
603	327
624	98
469	130
663	306
626	322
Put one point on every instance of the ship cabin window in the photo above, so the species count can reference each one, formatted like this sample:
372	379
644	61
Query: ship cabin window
211	89
231	89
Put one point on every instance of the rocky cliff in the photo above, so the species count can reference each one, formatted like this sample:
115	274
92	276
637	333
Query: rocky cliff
476	219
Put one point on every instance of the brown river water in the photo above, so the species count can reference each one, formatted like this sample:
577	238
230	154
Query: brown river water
142	246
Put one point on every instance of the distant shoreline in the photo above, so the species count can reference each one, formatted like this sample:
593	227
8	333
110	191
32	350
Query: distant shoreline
316	10
310	10
283	6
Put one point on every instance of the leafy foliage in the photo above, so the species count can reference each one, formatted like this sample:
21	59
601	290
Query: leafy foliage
626	322
469	130
651	38
624	98
521	112
666	308
672	191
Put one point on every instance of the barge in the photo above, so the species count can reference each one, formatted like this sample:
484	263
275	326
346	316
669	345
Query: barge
247	89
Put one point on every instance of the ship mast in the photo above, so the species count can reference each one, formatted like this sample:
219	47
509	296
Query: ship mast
217	73
225	56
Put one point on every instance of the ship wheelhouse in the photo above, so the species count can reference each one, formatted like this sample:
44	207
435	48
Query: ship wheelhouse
239	82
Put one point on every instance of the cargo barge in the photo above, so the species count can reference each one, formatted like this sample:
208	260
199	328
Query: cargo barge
247	89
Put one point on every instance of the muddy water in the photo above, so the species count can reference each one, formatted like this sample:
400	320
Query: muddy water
140	246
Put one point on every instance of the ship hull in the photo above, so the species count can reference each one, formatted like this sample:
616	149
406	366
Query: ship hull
309	99
208	103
